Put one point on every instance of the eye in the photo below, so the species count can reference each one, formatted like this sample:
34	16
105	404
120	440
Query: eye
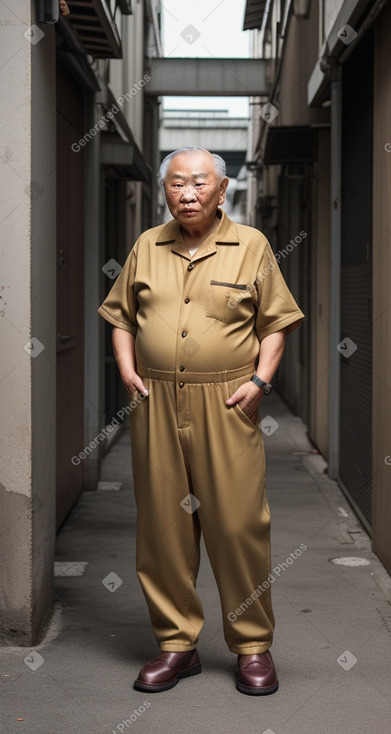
199	184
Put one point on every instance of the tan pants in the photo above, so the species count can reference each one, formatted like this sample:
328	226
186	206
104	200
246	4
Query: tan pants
185	441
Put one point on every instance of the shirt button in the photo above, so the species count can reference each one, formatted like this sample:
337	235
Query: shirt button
187	300
184	333
181	384
227	295
191	266
182	368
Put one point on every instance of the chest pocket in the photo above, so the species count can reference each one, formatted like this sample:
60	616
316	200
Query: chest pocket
229	302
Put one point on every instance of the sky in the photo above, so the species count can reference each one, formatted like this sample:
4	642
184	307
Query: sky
210	28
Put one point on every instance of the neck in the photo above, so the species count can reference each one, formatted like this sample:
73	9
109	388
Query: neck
197	233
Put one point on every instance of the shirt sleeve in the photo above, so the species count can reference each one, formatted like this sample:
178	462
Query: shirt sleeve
119	306
277	309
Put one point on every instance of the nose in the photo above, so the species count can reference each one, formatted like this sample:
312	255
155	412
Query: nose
188	194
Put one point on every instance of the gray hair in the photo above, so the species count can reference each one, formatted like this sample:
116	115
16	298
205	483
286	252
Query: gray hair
219	162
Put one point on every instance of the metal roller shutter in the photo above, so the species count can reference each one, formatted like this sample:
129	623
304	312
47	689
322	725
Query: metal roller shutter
356	282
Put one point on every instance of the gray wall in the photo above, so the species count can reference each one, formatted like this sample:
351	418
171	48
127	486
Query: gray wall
27	388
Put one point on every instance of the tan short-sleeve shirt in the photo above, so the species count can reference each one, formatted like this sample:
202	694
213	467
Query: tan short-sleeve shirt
204	313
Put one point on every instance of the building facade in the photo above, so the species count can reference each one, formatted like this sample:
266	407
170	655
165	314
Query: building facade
320	177
78	148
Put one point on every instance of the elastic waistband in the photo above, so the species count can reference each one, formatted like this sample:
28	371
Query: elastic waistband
188	377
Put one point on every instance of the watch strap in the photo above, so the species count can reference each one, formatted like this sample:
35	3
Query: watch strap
257	381
265	386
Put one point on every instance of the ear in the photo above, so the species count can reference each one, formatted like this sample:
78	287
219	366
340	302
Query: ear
223	188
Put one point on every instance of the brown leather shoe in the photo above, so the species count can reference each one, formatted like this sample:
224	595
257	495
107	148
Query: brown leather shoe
256	674
166	669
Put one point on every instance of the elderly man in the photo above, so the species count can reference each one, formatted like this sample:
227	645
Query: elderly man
201	312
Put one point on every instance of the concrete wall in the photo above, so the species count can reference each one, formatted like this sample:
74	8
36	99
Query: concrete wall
94	417
124	73
300	54
27	387
253	175
135	69
303	205
381	291
291	221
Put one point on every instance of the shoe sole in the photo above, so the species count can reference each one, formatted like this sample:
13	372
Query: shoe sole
194	670
256	691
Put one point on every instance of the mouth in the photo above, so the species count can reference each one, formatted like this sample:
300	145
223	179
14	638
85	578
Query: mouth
189	211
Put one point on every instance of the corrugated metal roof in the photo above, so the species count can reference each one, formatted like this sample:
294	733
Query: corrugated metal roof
94	22
253	14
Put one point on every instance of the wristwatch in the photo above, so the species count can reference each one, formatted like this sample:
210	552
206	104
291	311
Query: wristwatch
266	386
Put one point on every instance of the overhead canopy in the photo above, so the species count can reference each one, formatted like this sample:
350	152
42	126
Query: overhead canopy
123	160
97	24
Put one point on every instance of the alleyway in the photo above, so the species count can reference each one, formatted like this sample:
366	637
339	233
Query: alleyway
332	644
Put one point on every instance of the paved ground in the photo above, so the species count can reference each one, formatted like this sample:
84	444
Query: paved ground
332	643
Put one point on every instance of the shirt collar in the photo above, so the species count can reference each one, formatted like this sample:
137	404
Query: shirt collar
226	233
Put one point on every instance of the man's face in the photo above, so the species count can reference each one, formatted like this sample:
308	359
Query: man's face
193	189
